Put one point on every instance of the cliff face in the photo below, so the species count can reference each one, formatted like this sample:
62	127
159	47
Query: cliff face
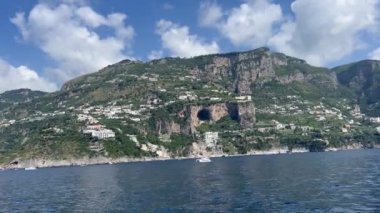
242	71
168	127
247	116
242	112
206	113
252	68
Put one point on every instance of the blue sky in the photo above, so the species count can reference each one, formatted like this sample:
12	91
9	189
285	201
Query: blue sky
45	42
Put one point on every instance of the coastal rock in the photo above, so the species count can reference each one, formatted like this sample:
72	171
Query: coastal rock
161	151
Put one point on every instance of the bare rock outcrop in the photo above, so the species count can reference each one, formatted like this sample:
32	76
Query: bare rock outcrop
211	113
168	127
243	112
242	71
247	116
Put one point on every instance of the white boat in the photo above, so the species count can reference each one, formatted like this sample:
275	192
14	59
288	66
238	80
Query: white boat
204	160
30	168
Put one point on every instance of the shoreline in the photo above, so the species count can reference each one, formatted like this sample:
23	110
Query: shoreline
86	161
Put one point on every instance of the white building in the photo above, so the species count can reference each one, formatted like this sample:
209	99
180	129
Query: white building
104	133
243	98
356	109
96	126
374	119
100	134
280	126
98	131
182	97
215	99
188	96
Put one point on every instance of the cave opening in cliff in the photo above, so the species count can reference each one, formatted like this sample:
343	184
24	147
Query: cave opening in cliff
204	115
233	111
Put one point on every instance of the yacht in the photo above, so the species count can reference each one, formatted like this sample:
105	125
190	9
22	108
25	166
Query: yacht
30	168
204	160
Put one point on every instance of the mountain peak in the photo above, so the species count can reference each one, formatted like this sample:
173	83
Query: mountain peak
20	95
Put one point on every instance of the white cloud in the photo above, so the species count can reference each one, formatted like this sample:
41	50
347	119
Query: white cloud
179	42
375	55
67	33
22	77
210	13
251	24
325	31
321	32
90	17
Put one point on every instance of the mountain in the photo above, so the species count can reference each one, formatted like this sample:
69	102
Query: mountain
364	78
20	95
13	97
237	73
239	102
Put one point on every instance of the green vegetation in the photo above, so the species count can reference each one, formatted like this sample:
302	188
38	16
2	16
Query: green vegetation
225	123
286	91
121	146
53	138
180	144
300	141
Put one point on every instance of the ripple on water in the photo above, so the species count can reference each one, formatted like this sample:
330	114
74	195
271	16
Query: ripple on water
316	182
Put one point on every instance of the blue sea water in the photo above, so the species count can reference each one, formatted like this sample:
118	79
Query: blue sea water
346	181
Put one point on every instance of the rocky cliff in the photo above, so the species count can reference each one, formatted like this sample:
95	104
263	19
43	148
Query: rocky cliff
364	78
242	71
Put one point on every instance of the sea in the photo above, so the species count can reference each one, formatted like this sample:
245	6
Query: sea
343	181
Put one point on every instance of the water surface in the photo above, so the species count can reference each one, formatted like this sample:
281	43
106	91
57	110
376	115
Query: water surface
312	182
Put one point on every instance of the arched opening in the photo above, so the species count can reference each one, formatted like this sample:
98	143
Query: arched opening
233	112
204	115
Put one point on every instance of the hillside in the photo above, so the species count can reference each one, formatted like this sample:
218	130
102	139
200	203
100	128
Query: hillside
364	78
14	97
230	103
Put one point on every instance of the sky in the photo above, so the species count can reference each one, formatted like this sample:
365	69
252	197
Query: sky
44	43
